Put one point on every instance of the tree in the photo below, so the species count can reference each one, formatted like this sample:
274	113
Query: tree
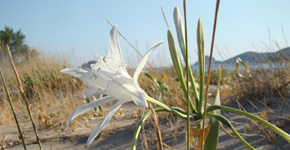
6	35
20	51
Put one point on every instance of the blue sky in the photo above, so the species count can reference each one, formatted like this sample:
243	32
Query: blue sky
81	26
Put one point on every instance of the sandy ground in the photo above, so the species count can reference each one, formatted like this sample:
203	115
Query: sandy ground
118	133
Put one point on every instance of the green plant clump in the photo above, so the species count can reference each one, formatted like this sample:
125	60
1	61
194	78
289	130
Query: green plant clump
199	111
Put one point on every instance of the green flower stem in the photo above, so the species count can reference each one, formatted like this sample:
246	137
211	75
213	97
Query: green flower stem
228	124
189	99
152	100
195	93
175	110
187	70
279	131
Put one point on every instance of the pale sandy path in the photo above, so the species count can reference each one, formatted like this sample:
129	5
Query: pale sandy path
118	133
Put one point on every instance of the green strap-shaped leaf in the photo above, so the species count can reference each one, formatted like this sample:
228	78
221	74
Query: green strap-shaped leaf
149	76
212	140
201	61
181	40
174	55
226	122
279	131
175	110
177	64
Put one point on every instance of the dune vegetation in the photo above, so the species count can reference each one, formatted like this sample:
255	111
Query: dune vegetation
254	91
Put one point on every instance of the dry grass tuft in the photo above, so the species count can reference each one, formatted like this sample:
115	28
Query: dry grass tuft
51	95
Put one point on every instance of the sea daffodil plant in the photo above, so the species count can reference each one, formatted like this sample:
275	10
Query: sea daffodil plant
200	110
208	135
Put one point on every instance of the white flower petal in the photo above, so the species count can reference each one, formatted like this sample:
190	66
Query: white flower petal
143	62
139	98
107	64
99	79
116	49
90	92
95	78
76	72
115	58
121	87
82	109
86	76
124	89
106	119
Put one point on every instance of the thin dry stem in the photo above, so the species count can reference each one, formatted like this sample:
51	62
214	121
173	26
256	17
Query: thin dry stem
24	98
164	18
209	69
145	139
158	133
12	108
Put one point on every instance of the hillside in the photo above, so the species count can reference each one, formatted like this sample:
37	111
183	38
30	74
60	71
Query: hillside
254	57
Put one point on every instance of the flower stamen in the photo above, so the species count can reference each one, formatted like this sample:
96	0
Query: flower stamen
95	76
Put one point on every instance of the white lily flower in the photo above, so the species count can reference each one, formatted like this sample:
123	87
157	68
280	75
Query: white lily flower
109	76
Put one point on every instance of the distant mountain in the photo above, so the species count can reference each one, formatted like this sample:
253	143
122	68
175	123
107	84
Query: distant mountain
214	61
254	57
247	57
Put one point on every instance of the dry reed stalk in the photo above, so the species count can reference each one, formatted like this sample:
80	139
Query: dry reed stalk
164	18
12	108
208	72
158	133
144	140
24	98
